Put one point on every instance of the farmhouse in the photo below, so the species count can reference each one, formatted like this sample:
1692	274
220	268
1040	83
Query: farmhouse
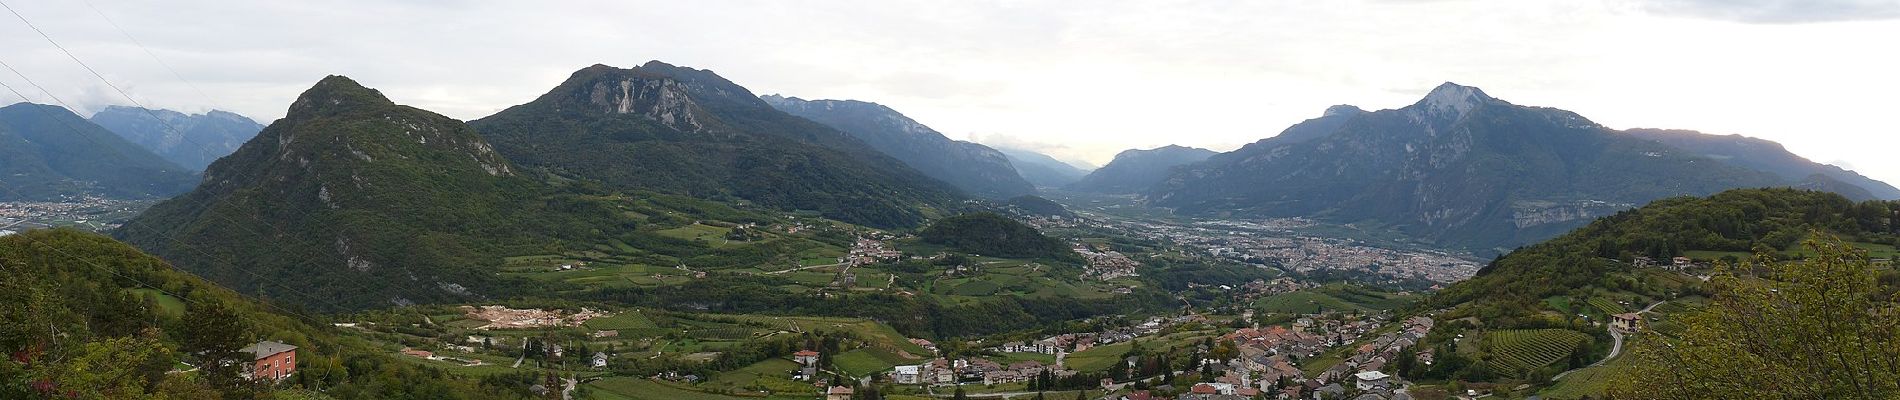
1627	322
271	360
838	393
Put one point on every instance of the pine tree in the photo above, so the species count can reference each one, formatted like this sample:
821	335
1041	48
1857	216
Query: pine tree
214	334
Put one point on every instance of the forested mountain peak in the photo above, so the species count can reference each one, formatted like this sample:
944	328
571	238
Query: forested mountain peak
1458	167
1136	170
350	188
689	131
47	152
970	167
335	94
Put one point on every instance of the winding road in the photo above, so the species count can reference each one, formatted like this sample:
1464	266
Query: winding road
1615	348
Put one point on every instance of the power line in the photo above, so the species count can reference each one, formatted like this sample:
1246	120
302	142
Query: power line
356	280
76	132
203	151
148	52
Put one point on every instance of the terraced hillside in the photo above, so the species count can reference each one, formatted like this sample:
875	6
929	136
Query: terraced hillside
1522	351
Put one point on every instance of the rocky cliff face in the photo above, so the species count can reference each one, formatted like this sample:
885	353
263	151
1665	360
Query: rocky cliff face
973	168
1459	167
687	131
369	202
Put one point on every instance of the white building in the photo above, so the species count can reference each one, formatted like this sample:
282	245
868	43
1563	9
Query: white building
907	374
1372	380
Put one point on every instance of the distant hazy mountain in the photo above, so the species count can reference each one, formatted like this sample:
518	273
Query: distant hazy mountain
360	201
688	131
47	152
1134	171
1042	170
1457	168
1767	156
191	141
974	168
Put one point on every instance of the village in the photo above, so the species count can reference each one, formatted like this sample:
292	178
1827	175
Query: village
90	213
1281	243
1242	363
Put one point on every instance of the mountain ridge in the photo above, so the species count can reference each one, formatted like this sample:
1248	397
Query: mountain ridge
971	167
688	131
48	152
1457	168
190	140
368	201
1136	170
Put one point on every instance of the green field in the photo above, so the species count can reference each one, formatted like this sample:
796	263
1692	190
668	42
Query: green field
624	320
1588	381
171	305
617	388
864	362
1524	350
1099	358
750	375
1334	297
1607	306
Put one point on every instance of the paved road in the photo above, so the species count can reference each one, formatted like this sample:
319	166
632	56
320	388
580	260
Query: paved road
1615	348
802	268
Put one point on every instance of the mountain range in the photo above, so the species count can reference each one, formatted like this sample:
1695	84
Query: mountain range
1041	169
973	168
48	152
352	200
190	140
1458	168
1768	156
1134	171
689	131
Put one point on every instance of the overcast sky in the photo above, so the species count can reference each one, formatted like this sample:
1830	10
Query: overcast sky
1079	80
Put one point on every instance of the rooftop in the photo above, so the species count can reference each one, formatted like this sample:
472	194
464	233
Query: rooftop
266	349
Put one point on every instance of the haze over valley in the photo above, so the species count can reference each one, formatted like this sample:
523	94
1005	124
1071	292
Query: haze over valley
850	201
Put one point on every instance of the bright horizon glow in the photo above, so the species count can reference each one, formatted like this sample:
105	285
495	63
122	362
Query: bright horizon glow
1077	80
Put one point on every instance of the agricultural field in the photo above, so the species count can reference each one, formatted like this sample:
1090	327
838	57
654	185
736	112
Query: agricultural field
1524	350
1100	358
1588	381
1334	297
763	375
868	361
631	388
171	305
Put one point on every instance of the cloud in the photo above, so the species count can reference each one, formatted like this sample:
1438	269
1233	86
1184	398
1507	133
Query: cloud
1776	11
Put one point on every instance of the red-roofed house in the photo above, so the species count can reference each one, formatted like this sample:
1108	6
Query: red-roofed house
806	357
271	360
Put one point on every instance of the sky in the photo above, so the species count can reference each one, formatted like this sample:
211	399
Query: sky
1079	80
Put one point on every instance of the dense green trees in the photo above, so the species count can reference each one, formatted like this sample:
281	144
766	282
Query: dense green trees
995	235
78	320
1599	255
1817	328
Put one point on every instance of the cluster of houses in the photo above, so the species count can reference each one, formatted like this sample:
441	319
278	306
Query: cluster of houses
1106	264
1266	363
1362	369
1074	342
945	371
868	251
1678	264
